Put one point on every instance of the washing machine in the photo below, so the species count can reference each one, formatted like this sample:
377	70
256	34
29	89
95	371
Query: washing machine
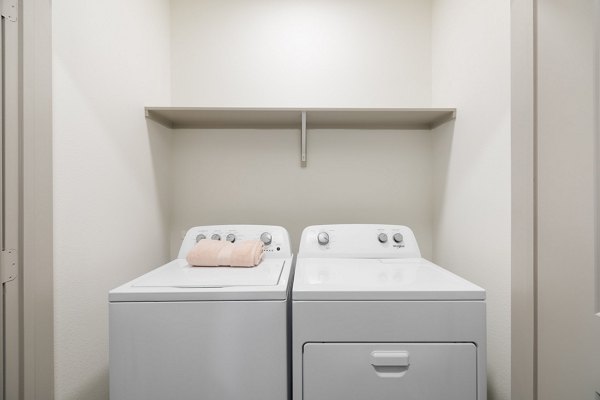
211	333
372	319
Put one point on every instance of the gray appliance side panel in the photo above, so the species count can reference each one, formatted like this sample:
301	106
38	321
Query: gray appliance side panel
388	371
388	321
198	350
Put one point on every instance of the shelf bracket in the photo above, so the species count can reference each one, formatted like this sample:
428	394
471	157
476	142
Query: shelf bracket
303	141
158	119
442	120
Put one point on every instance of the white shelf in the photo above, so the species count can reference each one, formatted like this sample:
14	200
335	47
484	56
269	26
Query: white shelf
291	118
300	118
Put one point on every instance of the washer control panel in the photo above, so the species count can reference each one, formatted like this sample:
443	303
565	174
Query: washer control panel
359	241
276	239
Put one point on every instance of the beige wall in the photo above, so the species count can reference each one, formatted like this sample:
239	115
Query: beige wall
110	58
255	177
271	53
237	63
472	230
332	54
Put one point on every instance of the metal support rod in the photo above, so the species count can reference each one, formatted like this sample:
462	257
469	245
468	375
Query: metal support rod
303	141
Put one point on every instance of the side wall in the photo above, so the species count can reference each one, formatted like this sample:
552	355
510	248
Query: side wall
472	167
110	58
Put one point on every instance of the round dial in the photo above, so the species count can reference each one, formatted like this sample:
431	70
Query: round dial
230	237
216	236
266	238
398	237
323	238
382	237
200	237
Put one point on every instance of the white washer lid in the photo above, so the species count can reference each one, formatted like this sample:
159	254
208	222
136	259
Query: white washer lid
178	281
379	279
183	275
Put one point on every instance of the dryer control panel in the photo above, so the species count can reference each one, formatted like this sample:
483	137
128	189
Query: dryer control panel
275	238
358	241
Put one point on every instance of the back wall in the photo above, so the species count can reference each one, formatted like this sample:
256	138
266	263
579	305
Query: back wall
313	53
254	177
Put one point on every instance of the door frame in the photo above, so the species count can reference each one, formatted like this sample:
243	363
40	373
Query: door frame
524	135
37	192
38	357
524	199
10	201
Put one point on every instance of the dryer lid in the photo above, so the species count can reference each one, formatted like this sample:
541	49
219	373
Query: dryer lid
182	275
379	279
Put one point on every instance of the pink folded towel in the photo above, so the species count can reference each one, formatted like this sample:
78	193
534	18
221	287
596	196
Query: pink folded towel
206	253
214	253
246	253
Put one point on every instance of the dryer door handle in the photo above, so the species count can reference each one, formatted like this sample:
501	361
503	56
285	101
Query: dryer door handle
390	359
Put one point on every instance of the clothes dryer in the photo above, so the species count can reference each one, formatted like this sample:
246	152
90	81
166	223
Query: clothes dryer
372	319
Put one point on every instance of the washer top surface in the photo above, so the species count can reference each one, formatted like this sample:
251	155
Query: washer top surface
372	262
178	281
179	273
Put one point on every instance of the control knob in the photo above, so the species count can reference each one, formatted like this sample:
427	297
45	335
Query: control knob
200	236
398	237
323	238
216	236
266	238
382	237
230	237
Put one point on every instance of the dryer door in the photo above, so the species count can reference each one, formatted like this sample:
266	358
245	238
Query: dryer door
386	371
